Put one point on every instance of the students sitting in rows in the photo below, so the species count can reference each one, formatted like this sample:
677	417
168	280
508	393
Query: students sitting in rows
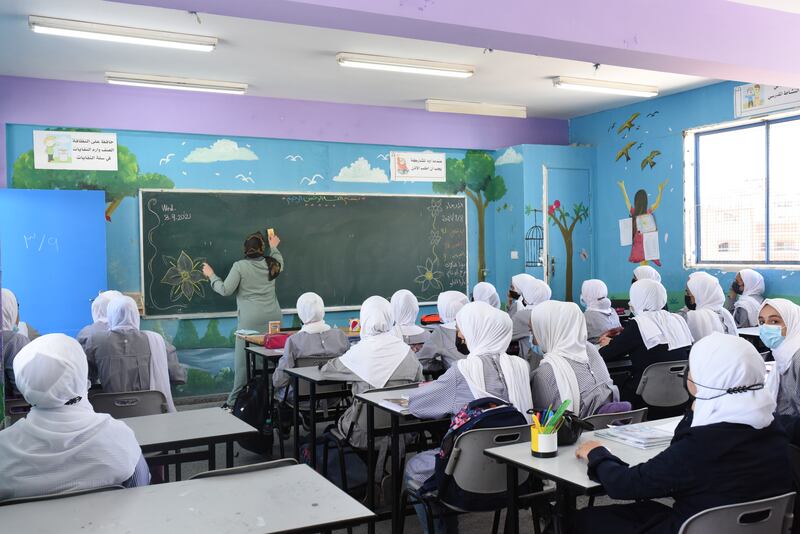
728	450
128	359
529	292
440	351
405	309
13	341
780	332
745	297
378	360
486	372
316	340
571	369
62	444
600	316
486	292
654	335
706	313
99	316
645	272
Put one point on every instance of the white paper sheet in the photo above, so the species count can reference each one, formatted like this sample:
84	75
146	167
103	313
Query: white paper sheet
625	232
651	249
646	223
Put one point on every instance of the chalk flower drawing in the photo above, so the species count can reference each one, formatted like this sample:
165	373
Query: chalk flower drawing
436	236
185	277
428	276
435	209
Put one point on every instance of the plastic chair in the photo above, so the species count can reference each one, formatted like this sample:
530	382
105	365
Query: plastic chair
51	496
765	516
662	384
284	462
619	418
129	403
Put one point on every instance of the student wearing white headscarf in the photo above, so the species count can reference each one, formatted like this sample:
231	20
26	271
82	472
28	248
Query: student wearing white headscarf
99	316
486	292
728	450
780	332
571	369
126	358
745	297
654	335
600	316
645	272
441	350
62	444
13	340
315	341
405	309
532	292
378	360
706	313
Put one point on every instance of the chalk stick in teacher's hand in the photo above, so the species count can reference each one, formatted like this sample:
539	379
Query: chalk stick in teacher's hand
270	232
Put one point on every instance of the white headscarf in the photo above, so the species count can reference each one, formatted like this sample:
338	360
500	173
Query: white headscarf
59	447
645	272
719	362
753	287
709	316
784	353
487	331
532	290
405	309
379	353
100	305
311	310
594	295
123	314
657	326
486	292
10	310
560	331
449	304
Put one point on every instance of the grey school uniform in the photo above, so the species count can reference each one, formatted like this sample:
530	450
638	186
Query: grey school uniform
789	390
594	383
521	324
408	372
121	361
307	346
88	331
12	344
440	347
740	316
598	323
256	304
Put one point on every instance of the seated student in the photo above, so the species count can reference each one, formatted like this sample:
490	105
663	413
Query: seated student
13	341
441	349
62	444
706	313
486	372
405	309
531	292
745	297
600	316
728	450
128	359
571	368
378	360
654	335
99	316
780	332
315	340
486	292
645	272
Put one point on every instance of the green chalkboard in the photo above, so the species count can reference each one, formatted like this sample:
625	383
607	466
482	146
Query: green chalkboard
345	247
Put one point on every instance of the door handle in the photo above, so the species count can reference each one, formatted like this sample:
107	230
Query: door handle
552	267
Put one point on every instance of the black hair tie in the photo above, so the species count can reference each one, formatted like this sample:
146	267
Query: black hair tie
74	400
745	389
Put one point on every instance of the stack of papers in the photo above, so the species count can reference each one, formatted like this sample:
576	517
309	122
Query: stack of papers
639	436
396	405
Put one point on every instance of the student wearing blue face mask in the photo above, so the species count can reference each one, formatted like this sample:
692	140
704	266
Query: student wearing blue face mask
779	329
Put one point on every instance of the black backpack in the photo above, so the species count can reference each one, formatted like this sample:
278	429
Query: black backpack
251	407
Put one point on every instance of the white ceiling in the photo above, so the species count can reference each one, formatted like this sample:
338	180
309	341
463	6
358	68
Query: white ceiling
288	61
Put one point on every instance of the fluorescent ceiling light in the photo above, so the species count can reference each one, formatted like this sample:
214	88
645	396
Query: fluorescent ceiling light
601	86
410	66
476	108
171	82
121	34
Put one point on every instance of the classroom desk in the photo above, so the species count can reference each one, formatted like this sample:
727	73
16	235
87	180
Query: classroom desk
269	362
374	399
567	471
190	428
283	499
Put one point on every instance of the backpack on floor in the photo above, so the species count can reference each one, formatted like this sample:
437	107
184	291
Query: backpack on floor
251	407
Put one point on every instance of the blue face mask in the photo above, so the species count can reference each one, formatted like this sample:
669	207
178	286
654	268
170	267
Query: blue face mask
770	335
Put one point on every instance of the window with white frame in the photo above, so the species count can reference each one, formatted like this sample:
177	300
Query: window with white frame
742	201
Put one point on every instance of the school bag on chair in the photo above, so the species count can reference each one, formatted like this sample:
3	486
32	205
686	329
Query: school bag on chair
251	407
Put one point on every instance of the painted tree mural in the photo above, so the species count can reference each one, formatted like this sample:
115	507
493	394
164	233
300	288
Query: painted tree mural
566	223
475	177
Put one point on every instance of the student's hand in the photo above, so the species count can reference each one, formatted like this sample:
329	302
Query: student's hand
583	451
274	241
208	272
604	340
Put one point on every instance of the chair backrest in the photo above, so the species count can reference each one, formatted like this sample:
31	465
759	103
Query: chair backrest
765	516
283	462
129	403
794	460
662	384
605	420
50	496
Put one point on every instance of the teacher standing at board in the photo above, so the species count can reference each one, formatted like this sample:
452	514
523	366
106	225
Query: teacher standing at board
252	279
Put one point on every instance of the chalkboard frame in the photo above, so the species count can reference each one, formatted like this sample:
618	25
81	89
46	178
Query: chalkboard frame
284	311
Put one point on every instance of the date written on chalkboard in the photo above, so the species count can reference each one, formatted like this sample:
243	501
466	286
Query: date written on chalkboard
170	214
44	243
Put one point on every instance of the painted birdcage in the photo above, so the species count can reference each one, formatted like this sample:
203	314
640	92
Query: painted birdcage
534	242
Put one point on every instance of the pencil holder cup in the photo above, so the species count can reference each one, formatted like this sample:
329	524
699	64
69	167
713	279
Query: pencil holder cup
543	445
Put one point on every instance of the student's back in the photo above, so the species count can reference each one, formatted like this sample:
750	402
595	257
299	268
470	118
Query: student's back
304	346
13	341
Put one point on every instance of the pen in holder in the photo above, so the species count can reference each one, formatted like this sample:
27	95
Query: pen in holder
544	430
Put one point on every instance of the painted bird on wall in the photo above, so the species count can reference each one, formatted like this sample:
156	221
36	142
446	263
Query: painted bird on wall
625	151
650	159
628	124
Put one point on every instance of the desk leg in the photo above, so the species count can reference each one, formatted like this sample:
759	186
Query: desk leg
229	454
565	507
296	417
249	361
513	506
397	477
212	456
268	387
370	464
312	407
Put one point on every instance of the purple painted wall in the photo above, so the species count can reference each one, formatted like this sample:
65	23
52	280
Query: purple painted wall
92	105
